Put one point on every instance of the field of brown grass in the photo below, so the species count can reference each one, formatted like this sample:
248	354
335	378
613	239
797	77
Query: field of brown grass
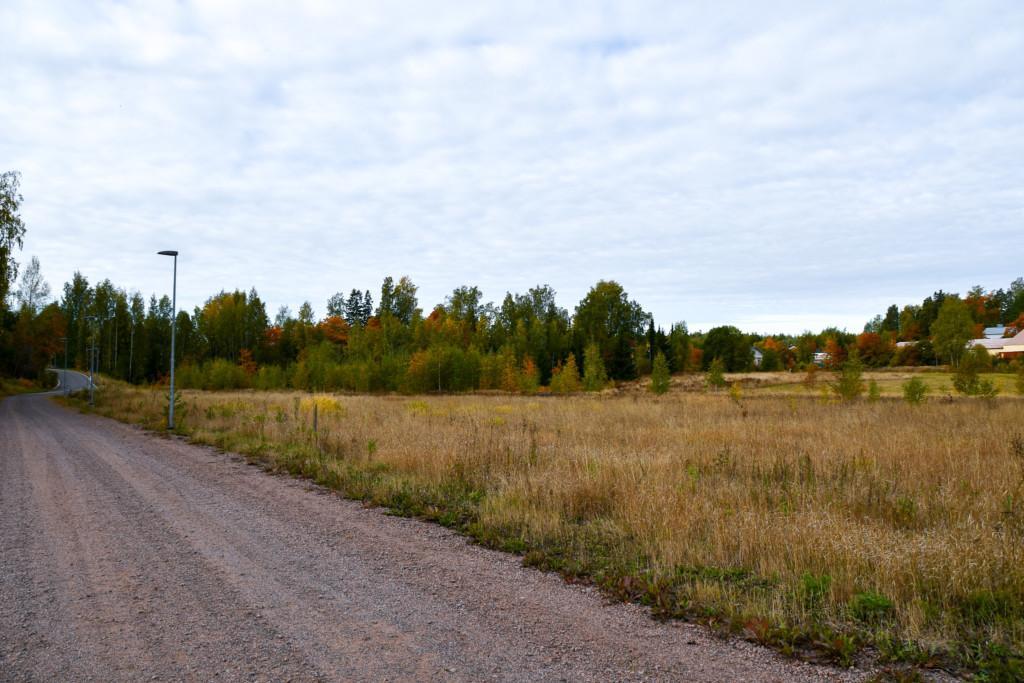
807	524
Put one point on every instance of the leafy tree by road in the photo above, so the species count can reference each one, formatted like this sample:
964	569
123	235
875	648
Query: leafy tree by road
12	232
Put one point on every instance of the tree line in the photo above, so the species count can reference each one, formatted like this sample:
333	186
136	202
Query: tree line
463	343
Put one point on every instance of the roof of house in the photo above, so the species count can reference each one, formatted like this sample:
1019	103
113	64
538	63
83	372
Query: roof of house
994	332
987	343
999	342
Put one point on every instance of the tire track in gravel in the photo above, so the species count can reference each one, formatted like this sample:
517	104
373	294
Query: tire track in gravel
127	556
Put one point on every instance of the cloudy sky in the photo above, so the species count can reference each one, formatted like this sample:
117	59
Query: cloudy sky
778	166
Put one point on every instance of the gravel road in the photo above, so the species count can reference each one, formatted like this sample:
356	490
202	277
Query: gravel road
125	556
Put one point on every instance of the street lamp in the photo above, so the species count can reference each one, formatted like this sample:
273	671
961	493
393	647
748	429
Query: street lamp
64	378
174	315
92	356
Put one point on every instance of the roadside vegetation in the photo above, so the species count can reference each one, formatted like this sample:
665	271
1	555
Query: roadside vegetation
814	524
10	387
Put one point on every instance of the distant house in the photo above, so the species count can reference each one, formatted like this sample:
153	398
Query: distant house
821	357
994	332
905	344
1003	347
1014	346
758	356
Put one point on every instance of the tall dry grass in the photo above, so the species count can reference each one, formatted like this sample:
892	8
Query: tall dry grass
790	518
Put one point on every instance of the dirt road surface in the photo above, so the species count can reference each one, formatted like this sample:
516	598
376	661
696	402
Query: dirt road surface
124	556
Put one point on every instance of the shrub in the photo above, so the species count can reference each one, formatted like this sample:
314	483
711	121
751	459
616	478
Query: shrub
1020	380
874	393
870	606
815	588
270	377
914	391
968	381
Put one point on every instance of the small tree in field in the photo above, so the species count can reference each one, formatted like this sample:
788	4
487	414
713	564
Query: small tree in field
811	378
967	380
874	391
565	379
914	391
716	374
660	377
529	377
1020	380
595	378
850	385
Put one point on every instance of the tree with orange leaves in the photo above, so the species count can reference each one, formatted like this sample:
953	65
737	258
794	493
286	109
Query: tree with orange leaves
836	353
334	329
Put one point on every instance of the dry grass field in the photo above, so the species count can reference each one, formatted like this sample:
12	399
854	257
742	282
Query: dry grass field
814	526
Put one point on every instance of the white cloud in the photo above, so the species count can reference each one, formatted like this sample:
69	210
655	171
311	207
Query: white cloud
788	165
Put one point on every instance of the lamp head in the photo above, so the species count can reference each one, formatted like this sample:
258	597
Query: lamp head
167	253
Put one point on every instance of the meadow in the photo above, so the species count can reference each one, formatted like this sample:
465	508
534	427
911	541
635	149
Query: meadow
821	528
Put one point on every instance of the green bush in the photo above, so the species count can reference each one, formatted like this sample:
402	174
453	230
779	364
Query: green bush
870	606
967	379
815	588
914	391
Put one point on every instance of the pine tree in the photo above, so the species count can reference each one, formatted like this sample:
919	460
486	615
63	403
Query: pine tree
354	308
850	384
660	377
716	374
565	379
366	312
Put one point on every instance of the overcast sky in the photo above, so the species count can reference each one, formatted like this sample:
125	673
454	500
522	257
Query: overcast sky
777	166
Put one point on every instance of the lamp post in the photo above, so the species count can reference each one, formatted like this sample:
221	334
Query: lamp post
64	377
174	315
131	352
92	352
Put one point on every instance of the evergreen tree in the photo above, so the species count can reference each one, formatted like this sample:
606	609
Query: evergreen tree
565	379
353	311
850	384
366	311
716	374
891	322
660	377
